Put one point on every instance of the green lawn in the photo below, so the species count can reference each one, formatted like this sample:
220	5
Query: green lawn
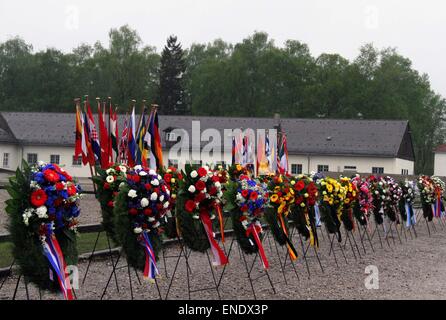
85	243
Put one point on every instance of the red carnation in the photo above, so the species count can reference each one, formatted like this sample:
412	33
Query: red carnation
106	186
148	186
189	206
244	208
213	191
200	185
38	198
202	172
51	176
59	186
299	185
215	179
180	176
245	193
147	211
71	190
200	197
136	178
254	195
133	212
110	204
299	200
167	177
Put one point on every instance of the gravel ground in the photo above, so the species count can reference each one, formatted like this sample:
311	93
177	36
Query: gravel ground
414	269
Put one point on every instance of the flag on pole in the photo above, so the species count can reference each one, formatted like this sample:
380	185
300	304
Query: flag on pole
87	150
131	149
156	152
103	136
272	150
283	154
78	137
262	160
93	134
142	129
123	142
114	133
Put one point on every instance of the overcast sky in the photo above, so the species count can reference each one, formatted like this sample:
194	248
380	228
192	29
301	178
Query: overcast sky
416	28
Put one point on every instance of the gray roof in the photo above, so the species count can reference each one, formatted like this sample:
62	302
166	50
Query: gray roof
305	136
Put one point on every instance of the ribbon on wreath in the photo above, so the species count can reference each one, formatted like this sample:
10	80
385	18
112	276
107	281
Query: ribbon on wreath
254	230
291	250
150	268
220	220
410	216
317	215
437	205
219	256
53	253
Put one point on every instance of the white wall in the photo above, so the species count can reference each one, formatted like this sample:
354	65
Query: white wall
363	164
14	157
440	164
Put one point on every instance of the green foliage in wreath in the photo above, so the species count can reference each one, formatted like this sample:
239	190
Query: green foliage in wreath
27	247
124	235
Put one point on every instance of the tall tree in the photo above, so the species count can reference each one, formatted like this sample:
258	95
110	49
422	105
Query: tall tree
171	92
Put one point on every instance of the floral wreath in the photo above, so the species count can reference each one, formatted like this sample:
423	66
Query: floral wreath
200	199
363	207
139	216
172	177
277	209
330	204
245	200
43	211
348	203
303	212
406	202
107	188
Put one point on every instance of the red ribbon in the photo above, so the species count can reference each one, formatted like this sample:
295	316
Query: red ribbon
254	231
220	219
219	256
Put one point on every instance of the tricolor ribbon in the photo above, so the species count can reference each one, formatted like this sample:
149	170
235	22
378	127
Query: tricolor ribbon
53	253
219	256
437	206
410	216
150	268
220	220
253	230
291	250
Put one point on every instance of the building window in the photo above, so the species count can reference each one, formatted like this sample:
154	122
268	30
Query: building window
172	163
296	168
378	170
405	172
5	160
55	158
322	168
350	168
31	158
77	161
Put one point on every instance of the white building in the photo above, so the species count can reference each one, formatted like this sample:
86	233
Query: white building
363	146
440	161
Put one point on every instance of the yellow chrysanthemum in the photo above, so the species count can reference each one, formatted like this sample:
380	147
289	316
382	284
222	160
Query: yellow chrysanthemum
274	198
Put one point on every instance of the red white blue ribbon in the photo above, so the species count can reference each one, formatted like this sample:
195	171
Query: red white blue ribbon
437	206
219	256
254	231
53	253
317	215
410	216
150	268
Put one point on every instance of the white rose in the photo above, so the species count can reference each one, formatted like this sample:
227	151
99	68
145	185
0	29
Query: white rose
41	163
166	205
159	177
161	198
151	219
132	193
110	179
138	167
152	172
110	170
144	202
123	169
194	174
41	212
137	230
156	225
155	182
142	173
217	184
153	196
191	189
220	194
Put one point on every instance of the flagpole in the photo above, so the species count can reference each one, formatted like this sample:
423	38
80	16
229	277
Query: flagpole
110	147
88	151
